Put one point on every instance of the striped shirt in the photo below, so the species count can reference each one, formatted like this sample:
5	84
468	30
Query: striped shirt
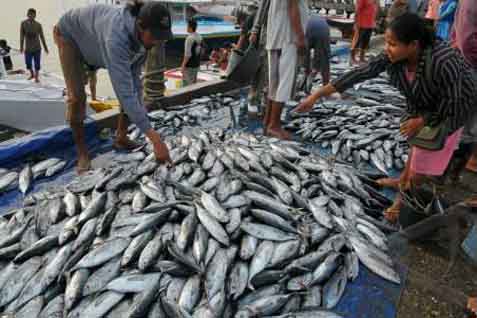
445	91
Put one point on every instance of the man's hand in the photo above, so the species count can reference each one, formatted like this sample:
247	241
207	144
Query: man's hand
306	105
253	38
411	127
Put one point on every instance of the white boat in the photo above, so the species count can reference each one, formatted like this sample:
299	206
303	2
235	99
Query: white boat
29	106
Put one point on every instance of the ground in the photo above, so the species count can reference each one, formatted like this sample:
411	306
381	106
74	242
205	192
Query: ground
428	292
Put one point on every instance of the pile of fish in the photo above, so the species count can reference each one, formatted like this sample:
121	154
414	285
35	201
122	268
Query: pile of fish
24	179
355	134
239	226
196	113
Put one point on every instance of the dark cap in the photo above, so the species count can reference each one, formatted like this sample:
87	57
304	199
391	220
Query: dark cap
156	18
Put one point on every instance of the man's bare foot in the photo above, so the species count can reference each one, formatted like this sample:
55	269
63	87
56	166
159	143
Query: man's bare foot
83	165
31	77
125	144
392	183
279	133
472	164
37	80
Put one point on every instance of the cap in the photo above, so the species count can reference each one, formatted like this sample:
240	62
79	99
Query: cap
158	20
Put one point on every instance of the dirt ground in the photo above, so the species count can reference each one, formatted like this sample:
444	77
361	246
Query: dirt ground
429	292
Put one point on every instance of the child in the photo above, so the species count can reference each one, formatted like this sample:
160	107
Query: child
5	54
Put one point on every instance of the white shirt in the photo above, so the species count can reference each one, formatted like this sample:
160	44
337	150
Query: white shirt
280	32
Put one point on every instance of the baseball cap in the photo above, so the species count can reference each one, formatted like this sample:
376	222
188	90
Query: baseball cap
157	19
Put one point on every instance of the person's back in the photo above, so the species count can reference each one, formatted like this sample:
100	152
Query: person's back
195	40
317	28
95	28
192	53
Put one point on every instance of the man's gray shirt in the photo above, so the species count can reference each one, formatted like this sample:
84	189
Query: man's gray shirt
106	37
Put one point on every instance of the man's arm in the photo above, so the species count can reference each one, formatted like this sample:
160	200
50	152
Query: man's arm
123	81
295	19
42	37
187	52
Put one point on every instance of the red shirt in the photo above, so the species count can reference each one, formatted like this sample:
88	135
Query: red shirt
366	11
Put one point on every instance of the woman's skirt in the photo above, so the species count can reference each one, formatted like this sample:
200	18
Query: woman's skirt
434	162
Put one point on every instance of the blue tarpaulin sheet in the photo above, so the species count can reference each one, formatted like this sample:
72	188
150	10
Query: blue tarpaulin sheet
369	296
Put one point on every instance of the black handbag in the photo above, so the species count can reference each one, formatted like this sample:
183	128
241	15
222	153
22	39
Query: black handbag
243	65
430	138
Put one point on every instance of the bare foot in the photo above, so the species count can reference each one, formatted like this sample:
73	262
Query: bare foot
125	144
37	80
388	183
83	165
279	133
31	77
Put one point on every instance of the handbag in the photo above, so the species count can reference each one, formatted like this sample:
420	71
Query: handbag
243	66
430	138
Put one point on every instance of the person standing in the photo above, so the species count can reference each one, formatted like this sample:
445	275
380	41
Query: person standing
258	94
446	19
286	26
464	38
191	62
318	40
115	38
31	32
365	22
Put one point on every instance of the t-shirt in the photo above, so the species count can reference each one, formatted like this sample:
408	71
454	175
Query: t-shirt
279	29
317	28
192	49
30	32
366	10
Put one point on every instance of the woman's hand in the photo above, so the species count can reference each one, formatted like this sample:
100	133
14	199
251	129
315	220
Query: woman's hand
306	105
411	127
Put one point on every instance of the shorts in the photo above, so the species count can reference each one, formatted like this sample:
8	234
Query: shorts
33	58
74	73
282	71
364	37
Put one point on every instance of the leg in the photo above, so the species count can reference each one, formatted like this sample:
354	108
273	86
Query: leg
28	63
93	80
324	61
273	80
287	71
122	141
274	128
37	60
73	73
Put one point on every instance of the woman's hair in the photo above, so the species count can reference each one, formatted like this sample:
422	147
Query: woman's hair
410	27
192	24
134	6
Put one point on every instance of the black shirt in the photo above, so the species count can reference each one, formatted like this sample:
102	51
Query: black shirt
7	60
